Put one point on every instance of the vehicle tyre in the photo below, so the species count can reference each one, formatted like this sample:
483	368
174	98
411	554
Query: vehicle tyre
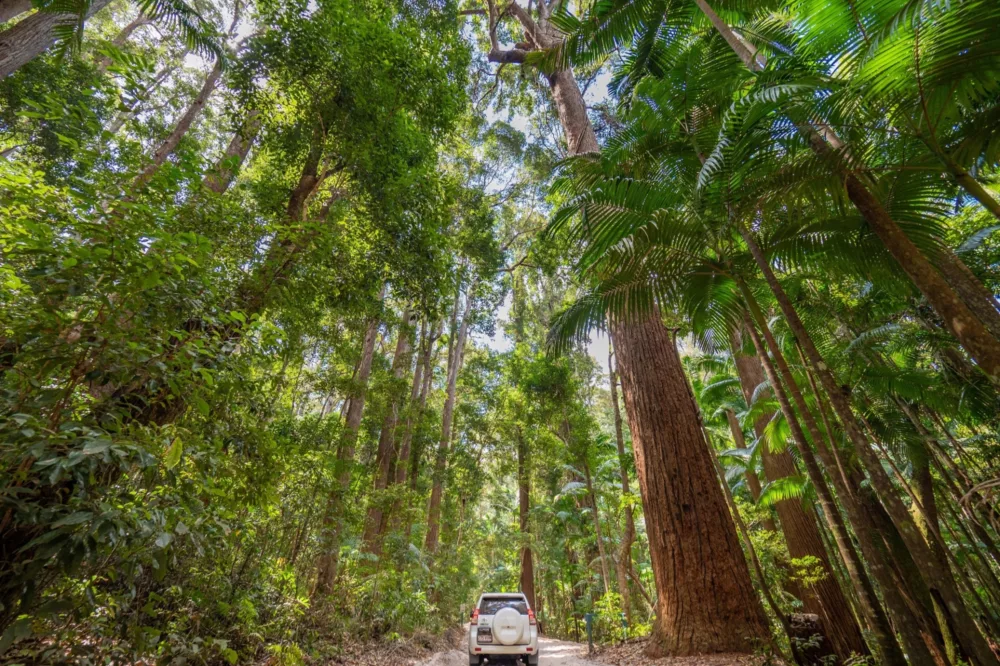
532	660
475	661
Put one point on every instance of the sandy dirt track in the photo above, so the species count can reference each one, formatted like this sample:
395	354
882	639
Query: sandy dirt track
551	651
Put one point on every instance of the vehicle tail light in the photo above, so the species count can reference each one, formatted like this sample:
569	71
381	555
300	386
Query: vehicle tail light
531	617
475	617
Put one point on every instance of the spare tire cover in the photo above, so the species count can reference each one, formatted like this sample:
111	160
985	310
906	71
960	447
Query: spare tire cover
508	626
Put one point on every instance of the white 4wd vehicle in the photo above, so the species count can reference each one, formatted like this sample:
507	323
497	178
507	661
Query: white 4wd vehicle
503	628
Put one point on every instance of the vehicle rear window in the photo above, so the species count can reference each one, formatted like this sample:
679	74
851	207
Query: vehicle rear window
493	606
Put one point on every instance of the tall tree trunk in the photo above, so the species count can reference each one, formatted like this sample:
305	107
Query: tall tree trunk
414	408
10	9
706	602
958	317
802	535
937	580
326	565
732	619
221	176
430	361
912	632
624	561
447	414
36	34
927	522
598	532
524	524
973	292
386	457
170	144
701	608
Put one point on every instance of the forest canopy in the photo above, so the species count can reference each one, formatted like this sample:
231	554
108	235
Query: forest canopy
319	319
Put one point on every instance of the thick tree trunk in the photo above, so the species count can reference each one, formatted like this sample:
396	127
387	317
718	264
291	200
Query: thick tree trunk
23	42
170	144
221	176
326	566
524	507
572	112
973	292
447	414
801	531
386	456
10	9
624	562
938	581
701	608
706	601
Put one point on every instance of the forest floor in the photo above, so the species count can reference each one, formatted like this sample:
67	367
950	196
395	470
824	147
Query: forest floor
552	653
632	653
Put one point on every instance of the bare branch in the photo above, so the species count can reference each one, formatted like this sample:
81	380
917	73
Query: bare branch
509	57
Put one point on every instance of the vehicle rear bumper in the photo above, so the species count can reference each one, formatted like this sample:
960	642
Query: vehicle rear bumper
502	649
487	649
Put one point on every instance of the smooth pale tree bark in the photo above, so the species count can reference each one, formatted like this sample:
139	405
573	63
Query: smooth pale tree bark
801	531
10	9
944	295
624	562
447	414
523	518
566	97
326	565
36	34
386	456
181	128
913	633
221	176
939	580
706	602
121	38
